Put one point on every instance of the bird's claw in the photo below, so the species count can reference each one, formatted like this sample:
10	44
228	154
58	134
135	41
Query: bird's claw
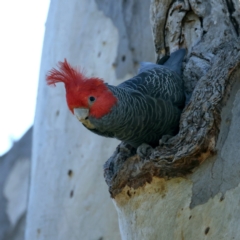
124	147
164	139
144	150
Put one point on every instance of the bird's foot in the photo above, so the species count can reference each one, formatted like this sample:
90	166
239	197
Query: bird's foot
164	139
144	150
125	148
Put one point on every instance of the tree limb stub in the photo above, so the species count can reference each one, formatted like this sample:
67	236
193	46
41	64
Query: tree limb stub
212	64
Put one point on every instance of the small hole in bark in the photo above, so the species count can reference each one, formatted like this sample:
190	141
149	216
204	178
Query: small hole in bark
190	217
123	58
228	120
128	193
70	173
201	21
99	54
135	63
207	230
222	198
71	194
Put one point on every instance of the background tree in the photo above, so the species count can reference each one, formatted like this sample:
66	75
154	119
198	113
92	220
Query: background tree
188	188
68	196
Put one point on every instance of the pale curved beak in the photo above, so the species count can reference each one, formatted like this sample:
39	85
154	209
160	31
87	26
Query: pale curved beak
81	113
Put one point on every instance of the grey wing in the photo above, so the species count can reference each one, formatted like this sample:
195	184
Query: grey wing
161	81
172	62
158	82
145	66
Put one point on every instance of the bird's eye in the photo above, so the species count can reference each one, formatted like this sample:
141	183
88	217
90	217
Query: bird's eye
91	99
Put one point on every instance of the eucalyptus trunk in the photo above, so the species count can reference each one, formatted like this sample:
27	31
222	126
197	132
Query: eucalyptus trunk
188	187
68	196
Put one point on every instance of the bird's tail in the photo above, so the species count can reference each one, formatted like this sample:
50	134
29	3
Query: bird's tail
174	62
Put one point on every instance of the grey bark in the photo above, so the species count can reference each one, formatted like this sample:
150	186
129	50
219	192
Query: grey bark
198	168
208	78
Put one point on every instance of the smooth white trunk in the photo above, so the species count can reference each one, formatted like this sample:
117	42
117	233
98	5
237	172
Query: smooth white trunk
68	196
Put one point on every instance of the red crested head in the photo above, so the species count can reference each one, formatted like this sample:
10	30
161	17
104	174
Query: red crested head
83	92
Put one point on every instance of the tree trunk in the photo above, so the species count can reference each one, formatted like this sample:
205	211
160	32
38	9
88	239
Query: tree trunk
188	187
68	196
14	179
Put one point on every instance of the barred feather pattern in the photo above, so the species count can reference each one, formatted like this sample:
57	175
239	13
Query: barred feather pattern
148	107
159	82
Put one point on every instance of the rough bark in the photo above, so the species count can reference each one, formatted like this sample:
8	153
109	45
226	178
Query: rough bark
68	196
195	166
197	138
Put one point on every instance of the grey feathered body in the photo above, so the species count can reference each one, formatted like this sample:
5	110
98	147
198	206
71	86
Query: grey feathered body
149	105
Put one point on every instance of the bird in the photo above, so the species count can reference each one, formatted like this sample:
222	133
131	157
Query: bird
138	111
